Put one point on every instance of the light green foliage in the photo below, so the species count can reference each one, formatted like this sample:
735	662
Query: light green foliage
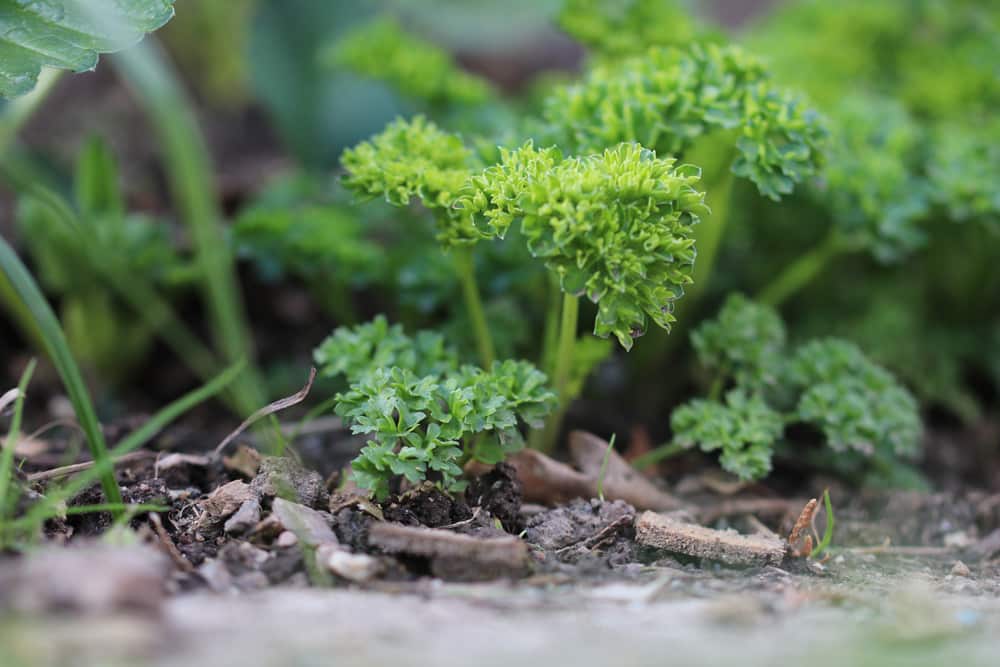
354	352
417	68
667	98
68	34
425	415
615	227
745	341
618	28
415	159
872	183
857	404
743	428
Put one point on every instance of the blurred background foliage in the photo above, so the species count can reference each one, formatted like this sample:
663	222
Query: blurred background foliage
910	192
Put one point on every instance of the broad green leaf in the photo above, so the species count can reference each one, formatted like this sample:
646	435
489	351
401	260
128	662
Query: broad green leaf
68	34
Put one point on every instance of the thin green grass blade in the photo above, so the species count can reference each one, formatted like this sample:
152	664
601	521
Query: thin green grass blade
7	457
824	544
604	467
58	351
51	505
115	507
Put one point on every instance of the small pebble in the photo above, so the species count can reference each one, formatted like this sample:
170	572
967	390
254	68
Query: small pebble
960	569
286	539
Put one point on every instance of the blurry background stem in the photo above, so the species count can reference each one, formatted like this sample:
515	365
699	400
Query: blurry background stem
802	271
189	171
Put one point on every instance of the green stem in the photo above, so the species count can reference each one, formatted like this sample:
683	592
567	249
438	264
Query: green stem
655	456
466	267
188	166
551	335
546	441
801	272
567	343
708	237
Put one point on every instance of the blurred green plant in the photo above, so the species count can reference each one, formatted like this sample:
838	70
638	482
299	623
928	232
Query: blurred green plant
209	42
418	69
615	29
869	422
102	332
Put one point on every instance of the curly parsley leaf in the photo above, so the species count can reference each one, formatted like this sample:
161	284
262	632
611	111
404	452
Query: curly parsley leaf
743	429
616	226
745	341
667	98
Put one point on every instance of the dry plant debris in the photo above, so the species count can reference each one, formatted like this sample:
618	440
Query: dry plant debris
453	555
726	546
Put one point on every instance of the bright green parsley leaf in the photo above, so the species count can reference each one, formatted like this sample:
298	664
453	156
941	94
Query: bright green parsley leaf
427	427
615	227
744	341
858	405
415	159
354	352
68	34
667	98
419	69
744	429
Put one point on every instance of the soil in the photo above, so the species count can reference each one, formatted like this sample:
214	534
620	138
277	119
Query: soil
566	583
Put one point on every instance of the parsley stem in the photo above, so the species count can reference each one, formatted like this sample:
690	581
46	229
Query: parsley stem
552	318
474	306
562	371
801	272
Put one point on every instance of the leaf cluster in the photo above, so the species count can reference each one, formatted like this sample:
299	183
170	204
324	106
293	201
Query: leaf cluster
667	98
744	341
418	69
423	413
743	429
615	227
859	407
353	352
414	158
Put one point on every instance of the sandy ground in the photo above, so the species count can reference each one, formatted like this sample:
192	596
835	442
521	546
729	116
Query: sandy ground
864	610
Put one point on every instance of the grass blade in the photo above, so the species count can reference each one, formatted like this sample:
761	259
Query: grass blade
50	506
7	456
188	166
824	544
58	351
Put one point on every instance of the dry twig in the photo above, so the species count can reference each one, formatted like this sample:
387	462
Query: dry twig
269	409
